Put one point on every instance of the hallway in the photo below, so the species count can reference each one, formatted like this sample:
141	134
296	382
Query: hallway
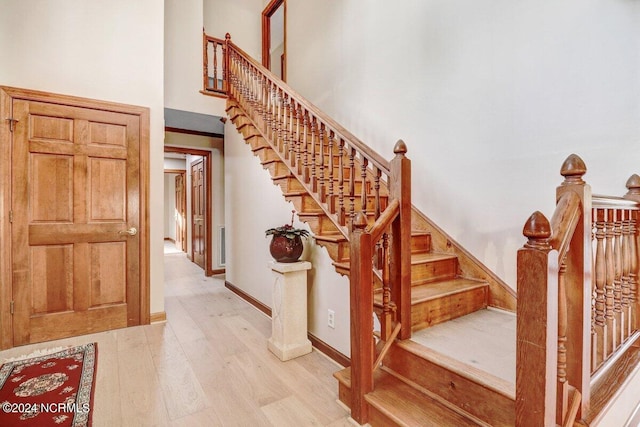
208	365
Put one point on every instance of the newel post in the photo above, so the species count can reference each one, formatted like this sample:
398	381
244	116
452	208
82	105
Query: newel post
537	339
578	276
205	61
633	185
400	268
361	308
226	72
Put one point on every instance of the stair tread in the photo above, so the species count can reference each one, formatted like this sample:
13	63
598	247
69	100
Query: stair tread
439	289
408	406
423	257
404	404
489	380
282	176
331	237
293	193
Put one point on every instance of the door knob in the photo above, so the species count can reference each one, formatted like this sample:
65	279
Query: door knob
131	232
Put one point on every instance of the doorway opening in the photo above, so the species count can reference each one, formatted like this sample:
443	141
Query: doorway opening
200	250
175	196
274	38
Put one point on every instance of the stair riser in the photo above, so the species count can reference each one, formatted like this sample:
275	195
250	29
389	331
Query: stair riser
289	184
483	403
276	168
420	243
319	224
430	313
344	394
304	203
432	271
256	142
378	419
337	251
266	154
248	131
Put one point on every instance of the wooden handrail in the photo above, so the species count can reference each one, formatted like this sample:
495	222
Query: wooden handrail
600	201
564	222
384	221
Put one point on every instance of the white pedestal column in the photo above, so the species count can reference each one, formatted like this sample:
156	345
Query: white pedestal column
289	310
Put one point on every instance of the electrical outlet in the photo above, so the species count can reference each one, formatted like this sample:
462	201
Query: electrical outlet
331	319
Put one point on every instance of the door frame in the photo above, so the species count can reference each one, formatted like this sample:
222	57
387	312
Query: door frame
183	173
7	96
267	13
206	154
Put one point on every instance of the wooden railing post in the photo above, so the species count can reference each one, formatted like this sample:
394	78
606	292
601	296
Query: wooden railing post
361	300
226	72
633	185
578	278
400	188
537	344
205	60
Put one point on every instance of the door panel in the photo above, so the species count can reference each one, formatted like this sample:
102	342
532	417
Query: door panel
74	271
181	213
198	206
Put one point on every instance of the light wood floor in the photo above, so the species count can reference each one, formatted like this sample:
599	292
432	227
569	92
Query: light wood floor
208	365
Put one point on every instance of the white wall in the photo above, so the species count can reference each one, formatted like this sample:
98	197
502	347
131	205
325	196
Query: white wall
240	18
183	59
490	97
254	204
110	51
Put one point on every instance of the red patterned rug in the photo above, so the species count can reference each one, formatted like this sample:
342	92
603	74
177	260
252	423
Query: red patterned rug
51	390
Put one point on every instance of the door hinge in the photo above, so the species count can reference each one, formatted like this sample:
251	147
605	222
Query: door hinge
10	217
12	123
11	307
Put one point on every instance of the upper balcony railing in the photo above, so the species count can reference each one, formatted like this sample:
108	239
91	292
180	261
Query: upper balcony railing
214	66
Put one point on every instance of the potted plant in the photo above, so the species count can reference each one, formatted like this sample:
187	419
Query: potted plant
286	244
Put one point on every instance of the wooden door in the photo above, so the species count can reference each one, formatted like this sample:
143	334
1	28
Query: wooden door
198	212
75	208
181	213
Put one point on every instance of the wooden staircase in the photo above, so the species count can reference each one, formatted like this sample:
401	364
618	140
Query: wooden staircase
574	350
440	291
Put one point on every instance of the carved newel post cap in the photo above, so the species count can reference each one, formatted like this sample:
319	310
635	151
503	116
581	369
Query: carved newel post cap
227	36
400	147
573	169
538	230
359	221
633	185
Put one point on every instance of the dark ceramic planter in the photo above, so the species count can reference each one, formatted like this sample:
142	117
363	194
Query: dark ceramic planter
286	250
